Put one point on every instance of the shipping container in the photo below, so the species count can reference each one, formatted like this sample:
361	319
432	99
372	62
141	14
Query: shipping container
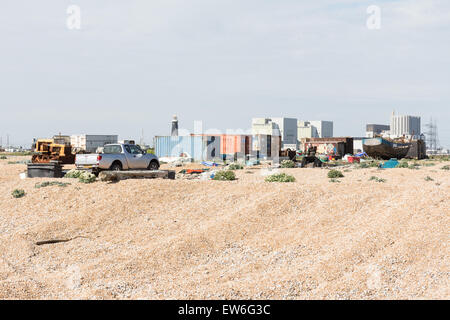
264	146
224	145
212	147
235	144
89	143
176	146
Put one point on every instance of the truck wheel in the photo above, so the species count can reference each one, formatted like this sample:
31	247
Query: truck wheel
153	165
116	167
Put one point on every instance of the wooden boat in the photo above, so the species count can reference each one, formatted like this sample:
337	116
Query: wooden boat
385	149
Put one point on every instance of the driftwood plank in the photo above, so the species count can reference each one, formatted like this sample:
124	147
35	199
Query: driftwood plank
133	174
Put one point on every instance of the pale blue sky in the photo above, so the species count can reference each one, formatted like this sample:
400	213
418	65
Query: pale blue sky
135	63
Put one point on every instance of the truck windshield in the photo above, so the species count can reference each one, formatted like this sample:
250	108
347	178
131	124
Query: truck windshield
112	149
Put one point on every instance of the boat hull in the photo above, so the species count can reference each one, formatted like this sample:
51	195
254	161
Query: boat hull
384	149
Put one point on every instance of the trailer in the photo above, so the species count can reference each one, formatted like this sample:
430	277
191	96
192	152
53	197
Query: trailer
88	143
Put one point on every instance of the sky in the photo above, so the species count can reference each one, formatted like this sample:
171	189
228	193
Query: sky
133	64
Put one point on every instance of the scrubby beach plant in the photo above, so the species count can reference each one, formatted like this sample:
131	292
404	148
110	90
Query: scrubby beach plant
51	183
18	193
235	166
333	174
87	177
363	165
73	174
280	177
287	164
403	164
224	175
373	178
374	164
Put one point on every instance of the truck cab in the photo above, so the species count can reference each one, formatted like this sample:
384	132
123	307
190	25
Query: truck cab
118	157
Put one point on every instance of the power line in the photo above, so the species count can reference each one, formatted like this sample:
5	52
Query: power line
432	139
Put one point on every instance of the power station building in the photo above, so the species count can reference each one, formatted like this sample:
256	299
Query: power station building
284	127
314	129
405	125
373	130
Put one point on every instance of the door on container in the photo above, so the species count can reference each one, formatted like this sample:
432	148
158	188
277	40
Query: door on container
135	157
247	145
212	147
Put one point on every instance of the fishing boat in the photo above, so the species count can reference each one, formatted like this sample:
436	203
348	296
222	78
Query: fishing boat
386	149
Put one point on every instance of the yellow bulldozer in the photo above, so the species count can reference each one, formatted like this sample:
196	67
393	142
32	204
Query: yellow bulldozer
56	149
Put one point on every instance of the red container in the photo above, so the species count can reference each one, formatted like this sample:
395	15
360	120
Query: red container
231	144
353	159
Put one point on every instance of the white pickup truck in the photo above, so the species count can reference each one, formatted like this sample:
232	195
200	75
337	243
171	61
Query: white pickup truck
117	157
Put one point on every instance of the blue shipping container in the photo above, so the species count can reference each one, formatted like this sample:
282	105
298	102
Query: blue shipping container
168	146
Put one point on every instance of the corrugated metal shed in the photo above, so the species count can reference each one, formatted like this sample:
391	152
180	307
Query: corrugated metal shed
168	146
338	146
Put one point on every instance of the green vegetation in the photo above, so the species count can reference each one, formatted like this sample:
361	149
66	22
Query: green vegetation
235	166
363	165
51	183
19	162
403	164
429	164
369	164
87	177
280	177
224	175
445	168
334	181
18	193
3	157
18	154
82	176
428	178
440	158
381	180
287	164
75	174
333	174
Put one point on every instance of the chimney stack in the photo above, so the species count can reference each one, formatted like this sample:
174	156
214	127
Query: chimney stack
174	132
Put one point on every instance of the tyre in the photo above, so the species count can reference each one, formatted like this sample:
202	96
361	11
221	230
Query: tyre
116	166
154	165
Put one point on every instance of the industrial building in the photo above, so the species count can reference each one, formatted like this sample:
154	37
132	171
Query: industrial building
306	130
373	130
324	128
405	125
314	129
284	127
